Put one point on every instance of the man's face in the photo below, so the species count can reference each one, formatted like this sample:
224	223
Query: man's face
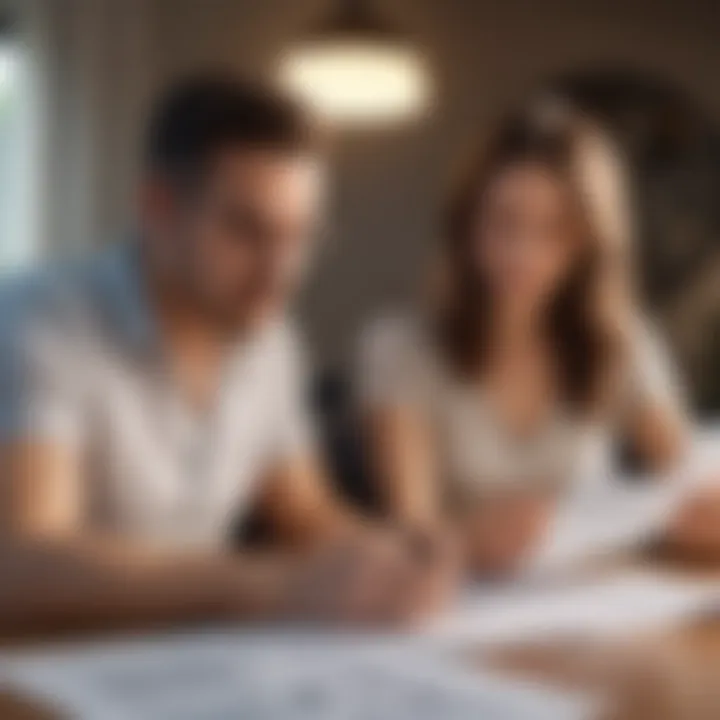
239	242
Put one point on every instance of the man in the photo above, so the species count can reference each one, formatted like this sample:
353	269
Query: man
150	396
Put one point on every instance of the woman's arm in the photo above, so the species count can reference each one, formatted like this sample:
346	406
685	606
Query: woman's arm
490	536
658	433
398	389
404	463
395	377
655	416
659	430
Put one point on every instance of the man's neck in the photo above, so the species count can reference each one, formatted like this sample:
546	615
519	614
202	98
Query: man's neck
194	346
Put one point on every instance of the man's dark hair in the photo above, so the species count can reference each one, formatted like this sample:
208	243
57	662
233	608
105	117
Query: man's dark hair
204	115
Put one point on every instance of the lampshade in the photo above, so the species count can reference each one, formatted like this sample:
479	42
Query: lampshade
357	70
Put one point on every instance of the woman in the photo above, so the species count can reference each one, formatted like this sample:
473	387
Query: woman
532	359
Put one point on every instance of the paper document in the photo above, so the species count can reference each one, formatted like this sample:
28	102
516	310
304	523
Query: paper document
253	677
625	604
290	676
603	520
608	514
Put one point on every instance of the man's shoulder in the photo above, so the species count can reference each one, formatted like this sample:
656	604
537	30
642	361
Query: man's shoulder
37	296
59	298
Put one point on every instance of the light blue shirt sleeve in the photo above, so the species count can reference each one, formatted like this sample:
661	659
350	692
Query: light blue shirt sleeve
39	389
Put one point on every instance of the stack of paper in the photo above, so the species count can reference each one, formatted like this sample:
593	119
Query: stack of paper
610	513
603	520
255	677
525	612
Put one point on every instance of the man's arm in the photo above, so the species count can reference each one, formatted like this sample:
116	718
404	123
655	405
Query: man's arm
301	506
55	574
52	571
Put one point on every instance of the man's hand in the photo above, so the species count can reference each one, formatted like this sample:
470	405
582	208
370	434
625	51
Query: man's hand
435	550
374	578
500	532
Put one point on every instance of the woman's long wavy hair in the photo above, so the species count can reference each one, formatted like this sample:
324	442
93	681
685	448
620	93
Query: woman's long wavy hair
585	321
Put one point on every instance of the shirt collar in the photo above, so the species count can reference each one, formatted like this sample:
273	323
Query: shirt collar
130	308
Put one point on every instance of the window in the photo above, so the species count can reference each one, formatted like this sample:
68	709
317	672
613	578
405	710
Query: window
17	246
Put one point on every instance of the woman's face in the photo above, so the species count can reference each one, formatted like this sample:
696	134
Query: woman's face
524	241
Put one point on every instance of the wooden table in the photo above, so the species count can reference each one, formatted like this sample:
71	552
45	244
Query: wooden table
670	675
664	675
673	675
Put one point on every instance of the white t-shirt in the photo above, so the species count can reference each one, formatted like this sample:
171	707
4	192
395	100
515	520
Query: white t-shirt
399	365
81	365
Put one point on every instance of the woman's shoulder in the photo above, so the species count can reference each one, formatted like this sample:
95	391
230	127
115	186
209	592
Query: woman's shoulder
396	334
395	356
